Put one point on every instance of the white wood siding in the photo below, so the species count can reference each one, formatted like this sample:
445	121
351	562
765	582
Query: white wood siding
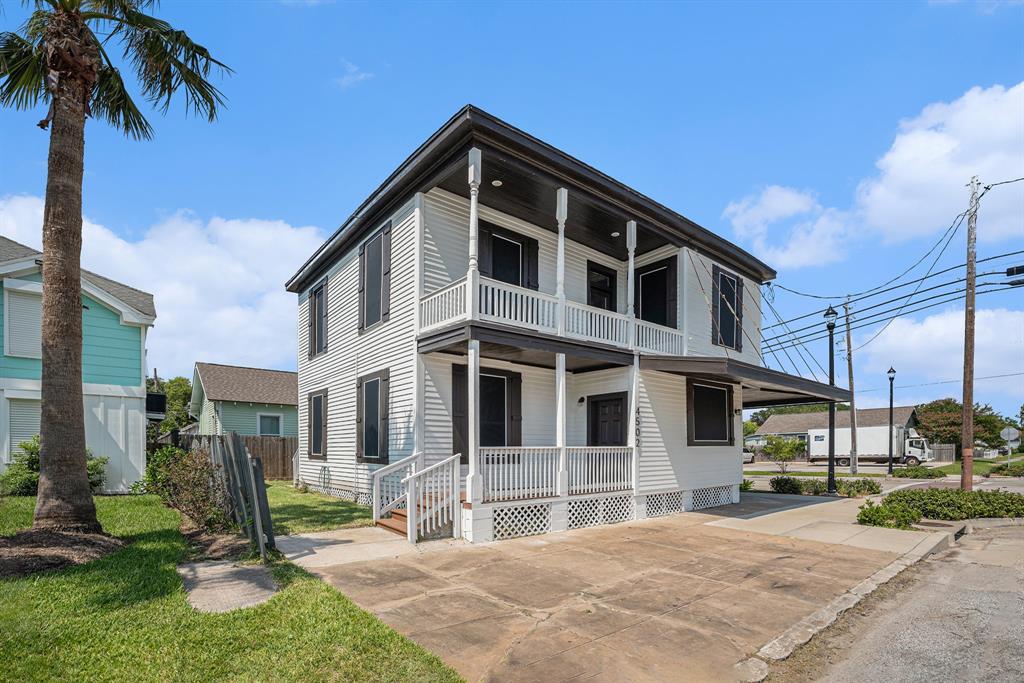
698	294
446	250
350	355
581	385
666	462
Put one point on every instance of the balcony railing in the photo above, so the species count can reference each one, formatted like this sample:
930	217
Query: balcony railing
520	307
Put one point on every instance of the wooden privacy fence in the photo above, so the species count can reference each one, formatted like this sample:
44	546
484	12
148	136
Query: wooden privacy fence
944	452
275	452
242	475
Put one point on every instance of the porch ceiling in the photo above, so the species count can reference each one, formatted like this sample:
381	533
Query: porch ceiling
761	386
499	342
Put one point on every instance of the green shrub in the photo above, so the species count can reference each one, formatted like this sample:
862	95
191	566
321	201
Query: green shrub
1013	469
954	504
194	487
783	484
893	516
852	488
782	451
813	486
21	478
747	485
157	478
918	472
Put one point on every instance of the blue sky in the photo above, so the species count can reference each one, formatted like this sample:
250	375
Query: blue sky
789	113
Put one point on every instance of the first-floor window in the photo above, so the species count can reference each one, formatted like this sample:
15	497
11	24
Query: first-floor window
317	419
709	414
372	417
268	425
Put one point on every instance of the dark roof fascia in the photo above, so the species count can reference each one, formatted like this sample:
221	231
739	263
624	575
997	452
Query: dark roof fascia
470	126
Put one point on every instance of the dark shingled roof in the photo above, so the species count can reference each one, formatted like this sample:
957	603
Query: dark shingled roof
251	385
137	299
799	423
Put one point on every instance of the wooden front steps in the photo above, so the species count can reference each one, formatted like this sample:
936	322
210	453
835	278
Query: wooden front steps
399	520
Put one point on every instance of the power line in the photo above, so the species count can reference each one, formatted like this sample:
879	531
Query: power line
945	381
798	351
1002	182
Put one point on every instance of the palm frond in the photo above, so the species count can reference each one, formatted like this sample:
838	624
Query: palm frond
22	72
111	102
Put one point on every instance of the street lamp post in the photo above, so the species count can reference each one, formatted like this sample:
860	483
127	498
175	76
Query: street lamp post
892	376
830	323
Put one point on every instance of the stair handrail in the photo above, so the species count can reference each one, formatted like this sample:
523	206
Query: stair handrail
411	489
378	476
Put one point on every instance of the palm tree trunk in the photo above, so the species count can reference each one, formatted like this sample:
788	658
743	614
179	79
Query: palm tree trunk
65	499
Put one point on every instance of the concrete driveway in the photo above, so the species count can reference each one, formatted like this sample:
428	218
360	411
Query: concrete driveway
675	598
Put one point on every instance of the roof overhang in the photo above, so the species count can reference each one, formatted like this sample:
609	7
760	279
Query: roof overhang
444	152
761	386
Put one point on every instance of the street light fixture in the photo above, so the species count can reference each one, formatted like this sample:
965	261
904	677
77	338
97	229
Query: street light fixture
830	323
892	376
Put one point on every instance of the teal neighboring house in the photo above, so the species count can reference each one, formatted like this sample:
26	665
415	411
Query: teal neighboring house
115	321
249	401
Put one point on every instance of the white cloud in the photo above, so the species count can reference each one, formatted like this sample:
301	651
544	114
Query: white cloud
352	77
931	350
812	234
218	284
918	190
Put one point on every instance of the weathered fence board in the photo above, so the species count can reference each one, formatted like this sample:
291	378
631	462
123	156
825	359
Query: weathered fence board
275	452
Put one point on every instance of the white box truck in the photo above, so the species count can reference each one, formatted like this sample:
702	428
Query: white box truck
908	447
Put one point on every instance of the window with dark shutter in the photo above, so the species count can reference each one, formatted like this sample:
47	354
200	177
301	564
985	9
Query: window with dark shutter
375	279
656	292
601	286
709	414
372	417
316	420
727	311
501	409
318	319
507	256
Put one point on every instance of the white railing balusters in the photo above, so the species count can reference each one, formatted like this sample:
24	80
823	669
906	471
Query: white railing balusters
596	324
443	306
599	469
659	339
434	499
388	491
501	302
515	472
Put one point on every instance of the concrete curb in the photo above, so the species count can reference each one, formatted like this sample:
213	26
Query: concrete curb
992	522
755	668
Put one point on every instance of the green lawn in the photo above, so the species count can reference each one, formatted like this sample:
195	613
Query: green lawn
979	467
791	473
125	617
295	512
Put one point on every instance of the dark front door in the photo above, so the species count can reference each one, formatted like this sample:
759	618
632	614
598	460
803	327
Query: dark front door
606	420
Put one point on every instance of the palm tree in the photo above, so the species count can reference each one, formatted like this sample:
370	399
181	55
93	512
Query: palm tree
60	56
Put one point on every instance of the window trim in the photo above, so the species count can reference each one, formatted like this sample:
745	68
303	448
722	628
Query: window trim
280	423
310	455
522	258
529	275
613	293
671	289
312	326
730	414
384	232
383	432
717	273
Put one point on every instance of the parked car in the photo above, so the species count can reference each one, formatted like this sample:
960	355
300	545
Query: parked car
748	456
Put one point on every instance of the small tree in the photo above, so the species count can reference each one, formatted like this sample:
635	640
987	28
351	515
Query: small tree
782	451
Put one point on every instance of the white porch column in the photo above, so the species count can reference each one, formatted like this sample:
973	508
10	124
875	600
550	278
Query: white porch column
633	424
630	280
561	212
474	481
560	425
473	274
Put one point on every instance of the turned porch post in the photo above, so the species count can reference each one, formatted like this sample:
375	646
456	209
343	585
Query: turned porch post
561	212
560	425
630	281
473	274
474	481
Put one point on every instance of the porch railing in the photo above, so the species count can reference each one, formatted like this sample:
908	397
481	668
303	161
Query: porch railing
389	491
504	303
433	500
659	339
596	324
597	469
516	472
444	305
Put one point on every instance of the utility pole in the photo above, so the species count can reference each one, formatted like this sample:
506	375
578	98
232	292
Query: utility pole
967	431
853	404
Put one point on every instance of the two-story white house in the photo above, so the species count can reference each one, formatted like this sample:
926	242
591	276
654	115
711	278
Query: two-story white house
501	322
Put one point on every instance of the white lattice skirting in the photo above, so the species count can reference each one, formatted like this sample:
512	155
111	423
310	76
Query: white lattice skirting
712	496
521	520
661	504
586	512
342	492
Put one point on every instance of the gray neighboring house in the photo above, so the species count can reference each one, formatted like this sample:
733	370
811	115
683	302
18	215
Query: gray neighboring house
249	401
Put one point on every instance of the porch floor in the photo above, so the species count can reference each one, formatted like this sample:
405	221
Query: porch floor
673	598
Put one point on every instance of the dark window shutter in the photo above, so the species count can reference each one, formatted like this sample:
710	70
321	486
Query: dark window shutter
531	268
385	287
385	402
362	284
460	412
716	303
323	342
484	240
323	408
672	295
359	420
311	334
309	426
515	409
739	313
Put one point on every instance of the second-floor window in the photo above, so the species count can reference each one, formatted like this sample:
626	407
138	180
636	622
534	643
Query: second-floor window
375	279
727	316
601	282
318	319
507	256
23	323
655	292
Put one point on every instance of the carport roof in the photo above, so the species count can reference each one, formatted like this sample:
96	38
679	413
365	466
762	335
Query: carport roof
761	386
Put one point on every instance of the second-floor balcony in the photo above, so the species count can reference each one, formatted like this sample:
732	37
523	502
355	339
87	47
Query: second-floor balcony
507	304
